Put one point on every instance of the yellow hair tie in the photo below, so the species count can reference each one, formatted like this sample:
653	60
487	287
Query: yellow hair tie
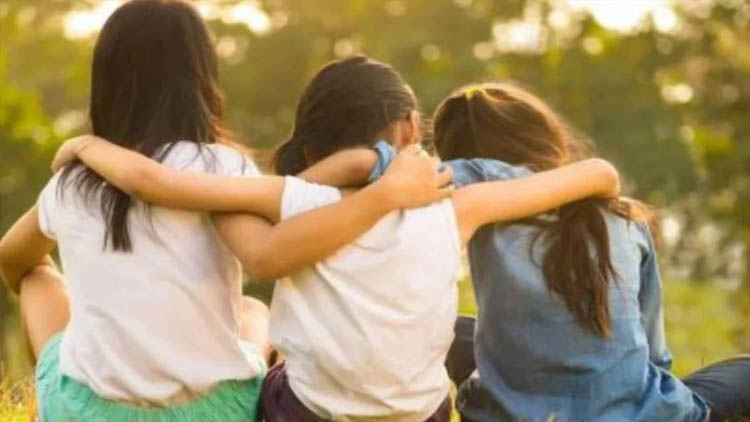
472	91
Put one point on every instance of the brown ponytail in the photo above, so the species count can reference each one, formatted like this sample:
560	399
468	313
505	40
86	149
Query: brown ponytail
578	266
506	122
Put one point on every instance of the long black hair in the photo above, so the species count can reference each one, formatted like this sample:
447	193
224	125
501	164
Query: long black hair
154	81
347	104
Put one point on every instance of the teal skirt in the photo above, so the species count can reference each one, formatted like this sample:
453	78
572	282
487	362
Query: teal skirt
63	399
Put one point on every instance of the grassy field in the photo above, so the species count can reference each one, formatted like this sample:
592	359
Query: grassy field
700	325
16	401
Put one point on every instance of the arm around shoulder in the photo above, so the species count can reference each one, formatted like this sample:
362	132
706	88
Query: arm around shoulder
310	236
153	182
270	252
499	201
348	168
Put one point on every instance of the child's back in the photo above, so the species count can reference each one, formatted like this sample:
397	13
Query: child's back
535	361
365	332
158	324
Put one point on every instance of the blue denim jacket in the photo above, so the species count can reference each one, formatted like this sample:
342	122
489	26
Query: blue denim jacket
534	361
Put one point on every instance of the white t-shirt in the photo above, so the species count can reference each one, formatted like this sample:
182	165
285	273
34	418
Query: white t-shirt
159	324
365	333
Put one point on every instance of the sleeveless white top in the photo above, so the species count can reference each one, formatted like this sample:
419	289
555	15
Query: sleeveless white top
160	323
365	332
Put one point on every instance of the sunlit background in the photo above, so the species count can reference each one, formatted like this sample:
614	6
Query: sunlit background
618	15
662	87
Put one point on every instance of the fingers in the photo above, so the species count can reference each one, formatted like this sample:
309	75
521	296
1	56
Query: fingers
415	173
446	192
62	159
413	149
56	162
62	156
53	166
445	176
416	149
68	151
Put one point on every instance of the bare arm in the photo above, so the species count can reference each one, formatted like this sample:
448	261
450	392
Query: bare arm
271	252
304	239
347	168
23	248
267	252
155	183
152	182
488	202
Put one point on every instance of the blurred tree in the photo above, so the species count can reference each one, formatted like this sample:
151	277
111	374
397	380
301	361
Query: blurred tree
718	130
34	90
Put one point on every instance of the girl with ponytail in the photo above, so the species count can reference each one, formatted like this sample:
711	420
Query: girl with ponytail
570	321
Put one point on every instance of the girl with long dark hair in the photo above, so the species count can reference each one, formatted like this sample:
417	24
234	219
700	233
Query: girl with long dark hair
152	324
570	317
365	332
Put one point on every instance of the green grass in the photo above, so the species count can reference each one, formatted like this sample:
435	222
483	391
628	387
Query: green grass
16	401
701	324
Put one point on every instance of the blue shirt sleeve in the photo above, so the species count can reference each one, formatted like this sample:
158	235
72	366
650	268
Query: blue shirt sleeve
386	155
467	172
651	306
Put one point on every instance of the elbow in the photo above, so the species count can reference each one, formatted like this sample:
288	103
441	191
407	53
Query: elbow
610	178
267	276
364	165
265	272
263	267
